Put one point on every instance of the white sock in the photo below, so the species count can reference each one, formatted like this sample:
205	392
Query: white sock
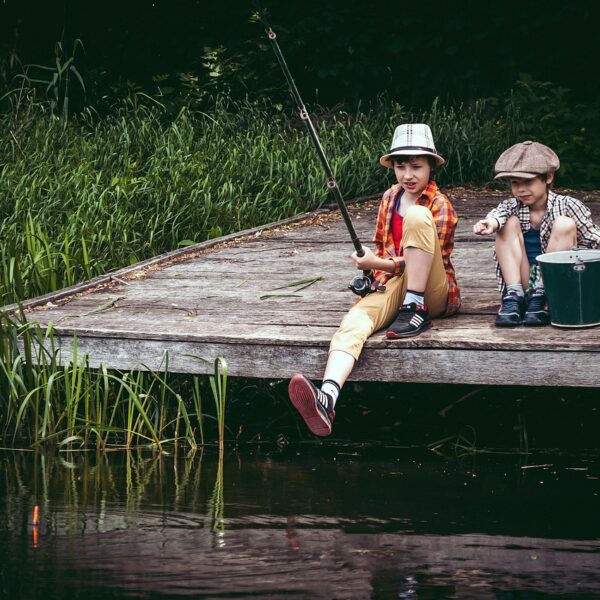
515	288
417	297
331	388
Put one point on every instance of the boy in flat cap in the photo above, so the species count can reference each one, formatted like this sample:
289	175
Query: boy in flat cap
534	221
414	237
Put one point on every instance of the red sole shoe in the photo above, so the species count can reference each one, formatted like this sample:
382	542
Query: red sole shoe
303	395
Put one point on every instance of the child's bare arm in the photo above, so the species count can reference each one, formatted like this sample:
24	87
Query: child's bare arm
371	261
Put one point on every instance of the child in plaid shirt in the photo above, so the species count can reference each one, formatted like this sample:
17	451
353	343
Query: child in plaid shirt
414	238
534	221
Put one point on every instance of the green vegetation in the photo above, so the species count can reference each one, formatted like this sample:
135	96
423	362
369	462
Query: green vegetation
80	199
72	406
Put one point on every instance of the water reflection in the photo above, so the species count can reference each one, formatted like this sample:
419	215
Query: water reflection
310	526
216	509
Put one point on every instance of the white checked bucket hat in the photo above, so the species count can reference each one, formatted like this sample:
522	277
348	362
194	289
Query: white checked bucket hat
412	139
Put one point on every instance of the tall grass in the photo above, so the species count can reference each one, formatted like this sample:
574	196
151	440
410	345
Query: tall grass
72	406
218	384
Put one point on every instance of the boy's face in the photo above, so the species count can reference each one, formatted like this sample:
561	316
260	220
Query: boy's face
413	174
531	192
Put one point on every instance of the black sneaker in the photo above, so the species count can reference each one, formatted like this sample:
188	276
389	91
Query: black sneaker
315	406
510	313
411	320
537	313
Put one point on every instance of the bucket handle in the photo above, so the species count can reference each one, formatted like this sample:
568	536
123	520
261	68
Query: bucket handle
579	265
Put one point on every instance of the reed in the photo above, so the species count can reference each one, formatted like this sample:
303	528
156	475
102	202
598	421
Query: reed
44	402
218	384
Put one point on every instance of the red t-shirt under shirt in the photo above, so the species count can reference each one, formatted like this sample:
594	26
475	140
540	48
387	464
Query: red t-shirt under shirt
397	229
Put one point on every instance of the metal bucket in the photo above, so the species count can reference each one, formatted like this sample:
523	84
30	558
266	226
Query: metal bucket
572	282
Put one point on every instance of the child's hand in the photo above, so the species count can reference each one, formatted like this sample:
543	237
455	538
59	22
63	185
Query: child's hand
485	226
368	261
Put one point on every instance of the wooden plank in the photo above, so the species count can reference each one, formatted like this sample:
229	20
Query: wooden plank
157	308
489	367
206	278
469	331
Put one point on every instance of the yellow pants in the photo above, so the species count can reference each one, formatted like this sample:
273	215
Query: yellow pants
379	309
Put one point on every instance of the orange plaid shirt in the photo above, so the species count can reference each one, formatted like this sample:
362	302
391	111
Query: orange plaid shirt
445	220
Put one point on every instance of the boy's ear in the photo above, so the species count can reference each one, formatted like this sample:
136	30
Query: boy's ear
549	178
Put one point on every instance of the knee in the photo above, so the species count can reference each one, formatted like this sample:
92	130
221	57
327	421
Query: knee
511	228
352	333
564	226
417	216
357	322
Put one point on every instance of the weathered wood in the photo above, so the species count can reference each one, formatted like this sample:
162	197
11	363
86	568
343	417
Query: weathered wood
157	261
471	332
209	301
384	363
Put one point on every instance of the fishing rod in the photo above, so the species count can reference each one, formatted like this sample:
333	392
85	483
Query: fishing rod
360	285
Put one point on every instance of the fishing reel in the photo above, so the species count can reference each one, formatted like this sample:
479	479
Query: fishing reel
362	285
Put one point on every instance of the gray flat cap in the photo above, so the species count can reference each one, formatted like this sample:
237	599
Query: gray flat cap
526	160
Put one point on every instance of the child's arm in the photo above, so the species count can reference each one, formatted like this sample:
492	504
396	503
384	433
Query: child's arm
497	217
370	260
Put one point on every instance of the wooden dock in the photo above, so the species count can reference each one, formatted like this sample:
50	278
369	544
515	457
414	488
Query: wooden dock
226	298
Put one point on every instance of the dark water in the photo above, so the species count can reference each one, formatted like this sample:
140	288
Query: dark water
318	523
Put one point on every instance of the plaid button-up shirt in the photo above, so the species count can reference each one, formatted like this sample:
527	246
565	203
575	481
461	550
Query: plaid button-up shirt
588	234
445	220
